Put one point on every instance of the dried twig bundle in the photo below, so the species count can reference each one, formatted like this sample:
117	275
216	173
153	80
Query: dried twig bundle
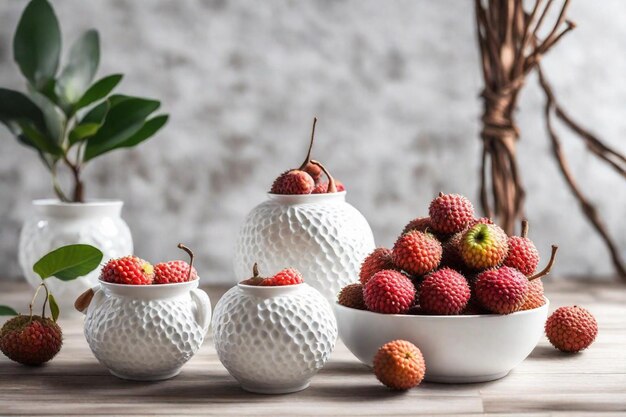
511	47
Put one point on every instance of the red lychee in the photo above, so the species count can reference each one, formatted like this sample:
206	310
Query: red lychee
352	296
571	329
322	187
129	270
444	292
389	292
287	276
30	340
523	254
421	224
399	365
534	297
173	271
294	181
450	213
417	253
375	262
502	290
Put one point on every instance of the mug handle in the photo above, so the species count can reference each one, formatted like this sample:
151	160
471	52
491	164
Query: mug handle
92	297
203	308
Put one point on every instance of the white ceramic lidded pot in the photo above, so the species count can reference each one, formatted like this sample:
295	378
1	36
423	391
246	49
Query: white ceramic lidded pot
320	235
146	332
53	224
273	340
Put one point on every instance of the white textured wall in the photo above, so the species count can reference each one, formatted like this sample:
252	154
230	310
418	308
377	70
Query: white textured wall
395	85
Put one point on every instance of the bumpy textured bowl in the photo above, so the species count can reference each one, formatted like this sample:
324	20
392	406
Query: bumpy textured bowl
53	224
320	235
146	332
273	340
457	349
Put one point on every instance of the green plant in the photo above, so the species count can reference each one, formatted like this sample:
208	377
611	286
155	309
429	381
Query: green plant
65	116
65	263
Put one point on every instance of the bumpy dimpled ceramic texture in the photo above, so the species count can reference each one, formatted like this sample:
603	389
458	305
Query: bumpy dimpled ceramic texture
274	344
326	241
144	339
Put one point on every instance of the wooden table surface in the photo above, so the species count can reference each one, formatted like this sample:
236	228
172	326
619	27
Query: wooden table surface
547	383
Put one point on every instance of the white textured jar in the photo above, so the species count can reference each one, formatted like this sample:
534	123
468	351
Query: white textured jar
53	224
273	340
146	332
320	235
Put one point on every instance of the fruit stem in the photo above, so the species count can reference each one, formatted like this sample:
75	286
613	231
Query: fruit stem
190	253
332	187
255	270
548	267
308	155
441	194
524	228
45	301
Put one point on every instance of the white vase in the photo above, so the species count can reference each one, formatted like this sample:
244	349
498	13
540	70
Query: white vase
53	224
321	235
146	332
273	340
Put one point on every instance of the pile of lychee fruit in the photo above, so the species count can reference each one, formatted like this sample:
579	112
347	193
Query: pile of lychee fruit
132	270
450	263
307	178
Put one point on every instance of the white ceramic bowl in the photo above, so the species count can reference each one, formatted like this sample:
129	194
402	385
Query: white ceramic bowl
457	349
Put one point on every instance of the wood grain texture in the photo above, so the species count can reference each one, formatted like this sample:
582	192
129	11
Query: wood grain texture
548	383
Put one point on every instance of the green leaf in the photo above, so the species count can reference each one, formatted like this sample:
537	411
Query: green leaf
37	43
124	119
147	130
7	311
53	116
54	307
15	106
116	99
97	114
98	90
81	67
83	131
68	262
39	140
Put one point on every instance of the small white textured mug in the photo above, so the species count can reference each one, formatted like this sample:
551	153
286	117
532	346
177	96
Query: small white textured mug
273	340
146	332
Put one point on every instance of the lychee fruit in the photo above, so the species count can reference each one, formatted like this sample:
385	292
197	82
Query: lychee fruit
571	329
534	297
450	213
288	276
389	292
30	340
399	365
451	255
294	181
502	290
523	254
417	252
175	271
352	296
444	292
375	262
483	246
421	224
129	270
322	187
